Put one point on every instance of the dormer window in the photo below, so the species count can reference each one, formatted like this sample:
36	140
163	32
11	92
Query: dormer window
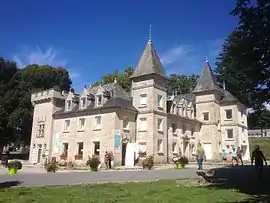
99	100
68	107
83	102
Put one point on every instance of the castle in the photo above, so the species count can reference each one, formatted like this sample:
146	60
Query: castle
104	118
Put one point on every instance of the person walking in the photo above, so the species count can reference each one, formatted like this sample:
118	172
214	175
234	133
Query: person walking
239	155
200	156
259	157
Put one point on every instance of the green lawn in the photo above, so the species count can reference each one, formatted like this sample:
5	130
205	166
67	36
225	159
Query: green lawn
161	191
264	143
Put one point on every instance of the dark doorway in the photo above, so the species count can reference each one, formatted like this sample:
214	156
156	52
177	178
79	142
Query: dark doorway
39	153
124	147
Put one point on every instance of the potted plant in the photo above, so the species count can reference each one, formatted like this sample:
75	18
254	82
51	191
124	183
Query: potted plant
179	161
93	162
148	162
13	167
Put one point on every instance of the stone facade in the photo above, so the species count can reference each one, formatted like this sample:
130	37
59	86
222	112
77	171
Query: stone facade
72	127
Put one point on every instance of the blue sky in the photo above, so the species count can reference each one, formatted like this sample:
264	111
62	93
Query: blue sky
91	38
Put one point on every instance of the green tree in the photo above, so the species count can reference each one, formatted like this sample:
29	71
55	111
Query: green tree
123	78
245	60
181	84
16	109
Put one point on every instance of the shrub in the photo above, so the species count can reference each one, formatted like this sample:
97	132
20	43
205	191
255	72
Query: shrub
51	167
93	163
18	165
183	160
148	162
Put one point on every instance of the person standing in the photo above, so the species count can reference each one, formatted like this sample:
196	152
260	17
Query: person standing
234	155
259	157
200	156
224	157
107	160
239	155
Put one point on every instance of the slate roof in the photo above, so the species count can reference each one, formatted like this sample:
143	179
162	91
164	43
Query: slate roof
149	63
207	81
120	99
228	97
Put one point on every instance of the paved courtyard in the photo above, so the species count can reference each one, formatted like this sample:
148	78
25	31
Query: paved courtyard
38	179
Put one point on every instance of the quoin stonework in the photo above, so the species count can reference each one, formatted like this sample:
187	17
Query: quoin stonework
104	118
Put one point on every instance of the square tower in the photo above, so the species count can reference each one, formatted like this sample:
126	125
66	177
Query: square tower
149	95
208	95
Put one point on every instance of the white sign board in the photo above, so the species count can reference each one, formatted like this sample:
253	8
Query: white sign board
34	156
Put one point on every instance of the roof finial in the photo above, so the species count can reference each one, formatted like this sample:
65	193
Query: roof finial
206	59
150	34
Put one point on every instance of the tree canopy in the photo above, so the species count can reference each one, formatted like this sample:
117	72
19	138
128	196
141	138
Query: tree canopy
244	61
16	85
177	84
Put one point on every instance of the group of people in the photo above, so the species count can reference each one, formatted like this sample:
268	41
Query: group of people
232	157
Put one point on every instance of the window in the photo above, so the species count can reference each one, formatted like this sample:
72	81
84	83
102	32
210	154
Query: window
160	146
81	124
79	156
99	100
229	133
174	147
143	99
206	116
97	123
143	124
160	101
67	126
41	127
125	123
159	124
65	149
83	102
96	148
228	113
68	105
174	128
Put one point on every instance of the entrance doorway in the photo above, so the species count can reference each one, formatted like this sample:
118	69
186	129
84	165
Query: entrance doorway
96	148
124	147
208	150
39	153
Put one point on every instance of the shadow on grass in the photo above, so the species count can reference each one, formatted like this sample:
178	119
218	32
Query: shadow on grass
9	184
244	179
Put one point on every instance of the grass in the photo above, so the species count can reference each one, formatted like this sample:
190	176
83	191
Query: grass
264	144
159	191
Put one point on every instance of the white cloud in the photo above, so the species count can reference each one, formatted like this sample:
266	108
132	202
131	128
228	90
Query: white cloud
38	56
175	54
49	56
188	59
